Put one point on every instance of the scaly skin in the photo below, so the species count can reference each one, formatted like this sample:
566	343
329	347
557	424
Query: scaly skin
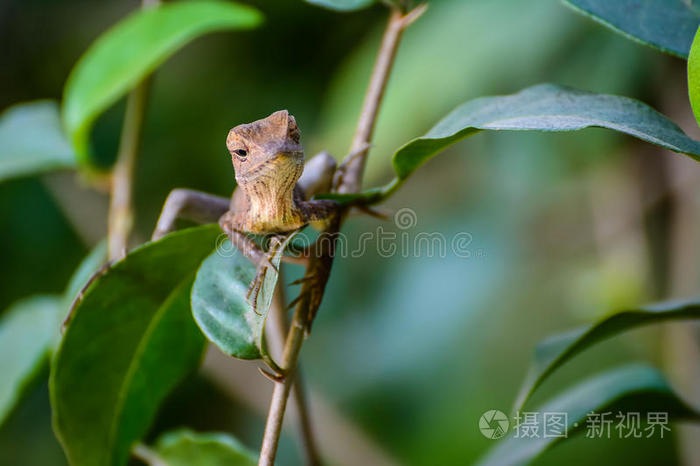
268	160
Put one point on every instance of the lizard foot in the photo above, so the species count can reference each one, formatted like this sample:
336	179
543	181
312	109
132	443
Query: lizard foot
308	278
264	264
311	294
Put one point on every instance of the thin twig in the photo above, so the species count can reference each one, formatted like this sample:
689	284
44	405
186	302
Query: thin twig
280	394
361	142
120	216
320	263
279	326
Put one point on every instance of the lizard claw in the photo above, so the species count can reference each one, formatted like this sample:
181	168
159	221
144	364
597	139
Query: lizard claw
264	264
295	301
308	292
301	281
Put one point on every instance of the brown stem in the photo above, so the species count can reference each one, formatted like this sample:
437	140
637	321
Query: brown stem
321	262
352	178
120	216
278	404
279	325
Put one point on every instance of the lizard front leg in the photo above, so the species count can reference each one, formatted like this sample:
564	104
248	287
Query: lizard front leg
249	249
243	242
191	205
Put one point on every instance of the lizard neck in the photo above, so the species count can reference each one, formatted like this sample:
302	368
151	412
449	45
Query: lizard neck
271	206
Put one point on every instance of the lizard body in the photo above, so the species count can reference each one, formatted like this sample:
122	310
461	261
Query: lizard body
268	161
270	198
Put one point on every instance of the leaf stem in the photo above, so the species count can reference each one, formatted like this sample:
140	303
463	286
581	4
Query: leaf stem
321	262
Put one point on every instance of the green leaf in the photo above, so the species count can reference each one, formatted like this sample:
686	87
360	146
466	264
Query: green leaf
666	25
342	5
555	351
220	306
28	331
545	107
31	140
694	77
130	341
634	388
129	51
90	264
187	448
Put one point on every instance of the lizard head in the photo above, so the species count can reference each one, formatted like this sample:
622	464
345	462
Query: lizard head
267	149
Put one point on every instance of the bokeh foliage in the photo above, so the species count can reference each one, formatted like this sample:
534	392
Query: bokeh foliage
456	306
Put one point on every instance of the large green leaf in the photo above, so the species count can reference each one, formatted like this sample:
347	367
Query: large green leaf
31	140
187	448
667	25
555	351
545	107
130	340
220	306
635	388
694	77
129	51
342	5
28	331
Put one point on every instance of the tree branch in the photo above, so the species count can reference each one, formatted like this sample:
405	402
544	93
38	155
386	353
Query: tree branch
279	326
355	163
280	394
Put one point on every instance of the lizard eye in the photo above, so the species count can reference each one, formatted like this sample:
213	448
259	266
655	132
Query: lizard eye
241	153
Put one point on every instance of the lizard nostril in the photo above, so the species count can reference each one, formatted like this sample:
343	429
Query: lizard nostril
240	152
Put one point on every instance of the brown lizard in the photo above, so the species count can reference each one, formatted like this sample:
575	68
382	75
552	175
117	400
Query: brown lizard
272	195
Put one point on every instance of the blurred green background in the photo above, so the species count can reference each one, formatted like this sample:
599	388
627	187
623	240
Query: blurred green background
409	351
